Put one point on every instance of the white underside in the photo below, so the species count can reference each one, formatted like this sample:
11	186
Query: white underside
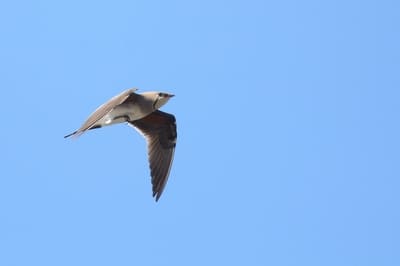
120	113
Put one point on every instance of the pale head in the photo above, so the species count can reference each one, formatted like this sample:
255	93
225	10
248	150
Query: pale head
158	98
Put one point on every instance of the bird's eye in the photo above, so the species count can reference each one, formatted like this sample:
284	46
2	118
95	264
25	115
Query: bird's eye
160	94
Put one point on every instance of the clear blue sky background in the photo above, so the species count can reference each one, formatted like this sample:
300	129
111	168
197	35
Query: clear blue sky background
288	125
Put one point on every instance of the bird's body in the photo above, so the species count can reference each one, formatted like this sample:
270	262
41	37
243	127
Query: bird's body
121	113
141	111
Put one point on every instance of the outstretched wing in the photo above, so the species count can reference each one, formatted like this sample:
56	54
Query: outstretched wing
103	110
159	129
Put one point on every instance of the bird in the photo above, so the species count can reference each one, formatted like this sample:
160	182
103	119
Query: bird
141	112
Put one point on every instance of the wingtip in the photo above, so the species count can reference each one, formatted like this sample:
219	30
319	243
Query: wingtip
74	134
69	135
156	196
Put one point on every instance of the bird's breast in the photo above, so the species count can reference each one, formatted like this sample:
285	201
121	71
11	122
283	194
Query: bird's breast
123	113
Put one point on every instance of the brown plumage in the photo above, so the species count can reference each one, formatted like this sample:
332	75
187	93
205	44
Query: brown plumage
159	129
141	111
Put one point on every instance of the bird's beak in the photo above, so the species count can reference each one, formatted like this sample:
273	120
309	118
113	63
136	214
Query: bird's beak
171	95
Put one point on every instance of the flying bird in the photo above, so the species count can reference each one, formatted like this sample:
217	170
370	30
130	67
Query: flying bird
141	112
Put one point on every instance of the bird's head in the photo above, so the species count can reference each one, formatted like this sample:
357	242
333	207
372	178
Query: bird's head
158	98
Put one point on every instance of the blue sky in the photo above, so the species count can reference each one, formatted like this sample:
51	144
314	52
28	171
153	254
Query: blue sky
288	133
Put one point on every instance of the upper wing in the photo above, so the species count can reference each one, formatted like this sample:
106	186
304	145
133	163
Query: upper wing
159	129
102	110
